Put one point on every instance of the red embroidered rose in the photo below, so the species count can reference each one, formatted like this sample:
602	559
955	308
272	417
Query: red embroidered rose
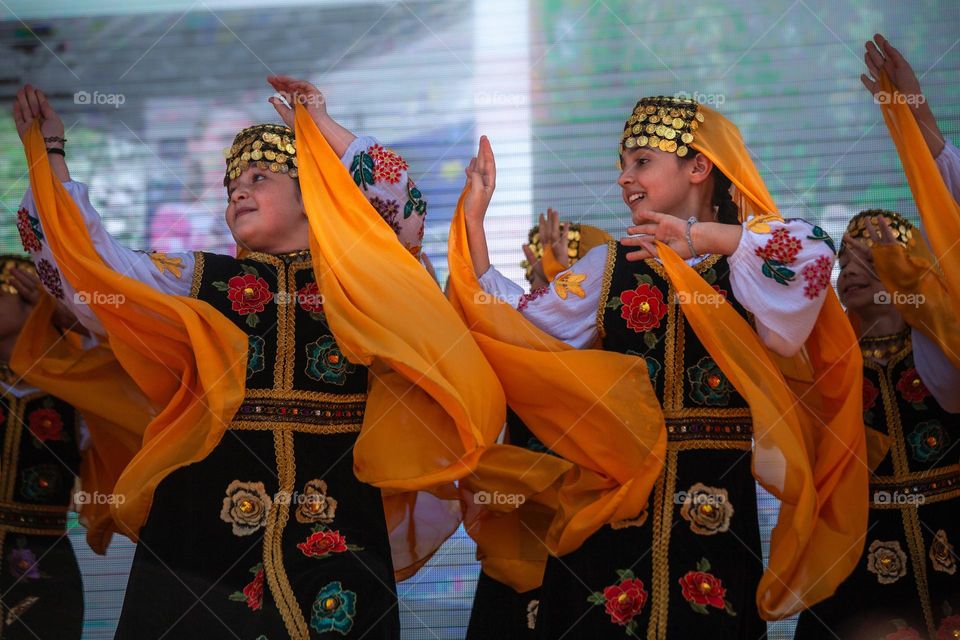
949	628
703	589
625	600
870	394
388	166
321	543
253	592
781	247
722	292
817	276
310	299
911	387
643	307
50	278
27	235
45	424
905	633
248	293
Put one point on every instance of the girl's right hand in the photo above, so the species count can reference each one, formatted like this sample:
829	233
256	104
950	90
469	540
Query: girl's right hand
31	104
482	179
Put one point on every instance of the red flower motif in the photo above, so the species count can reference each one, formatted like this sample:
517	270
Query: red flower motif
50	278
703	589
46	424
322	543
911	387
643	307
248	293
625	601
949	628
254	592
527	298
310	299
905	633
817	276
722	292
870	394
388	166
27	235
781	247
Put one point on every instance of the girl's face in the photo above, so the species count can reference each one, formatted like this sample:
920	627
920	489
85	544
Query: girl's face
858	285
265	212
660	181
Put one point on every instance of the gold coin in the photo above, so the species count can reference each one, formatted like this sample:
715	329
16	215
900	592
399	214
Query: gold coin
281	158
650	109
257	144
699	117
651	129
642	117
291	149
682	151
270	155
256	155
654	118
245	156
663	145
662	131
686	138
674	113
284	168
293	173
637	128
630	143
670	134
677	123
294	161
693	125
265	136
274	167
632	119
671	146
642	141
653	142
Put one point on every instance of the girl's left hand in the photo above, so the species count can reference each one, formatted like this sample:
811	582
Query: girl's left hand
668	229
297	91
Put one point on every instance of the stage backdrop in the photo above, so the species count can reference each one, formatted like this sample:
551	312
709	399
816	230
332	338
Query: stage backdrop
153	91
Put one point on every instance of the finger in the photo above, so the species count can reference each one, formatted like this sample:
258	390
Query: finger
871	86
24	107
17	113
649	229
871	67
634	241
490	173
872	231
33	102
46	109
886	233
565	231
641	216
637	256
530	255
286	113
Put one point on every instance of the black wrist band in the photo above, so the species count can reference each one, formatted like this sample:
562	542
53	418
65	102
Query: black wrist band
57	150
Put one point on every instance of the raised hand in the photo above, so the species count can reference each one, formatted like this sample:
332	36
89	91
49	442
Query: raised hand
651	226
32	104
482	180
297	92
881	55
554	235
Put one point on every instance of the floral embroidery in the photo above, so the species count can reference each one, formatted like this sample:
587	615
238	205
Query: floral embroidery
708	385
388	166
949	628
322	542
527	298
29	228
942	555
50	278
817	233
568	283
928	441
311	300
870	395
20	608
887	560
643	308
315	505
707	509
326	363
46	424
817	276
246	507
912	389
334	609
653	368
622	601
758	224
361	168
533	608
40	482
388	210
255	345
22	562
415	202
252	594
780	251
248	294
702	589
165	263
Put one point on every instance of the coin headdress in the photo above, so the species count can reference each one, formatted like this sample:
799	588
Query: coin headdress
662	123
268	146
901	228
9	262
580	239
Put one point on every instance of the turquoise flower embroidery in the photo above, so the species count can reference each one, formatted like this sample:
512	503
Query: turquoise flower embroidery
334	609
326	363
708	385
254	355
928	440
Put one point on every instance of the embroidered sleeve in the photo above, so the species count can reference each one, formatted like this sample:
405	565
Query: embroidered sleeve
566	308
383	177
780	272
948	162
170	273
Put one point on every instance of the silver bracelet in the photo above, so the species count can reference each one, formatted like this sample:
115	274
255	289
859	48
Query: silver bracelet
692	220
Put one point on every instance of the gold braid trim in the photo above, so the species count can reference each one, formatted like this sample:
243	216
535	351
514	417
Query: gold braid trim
295	427
198	265
662	527
273	568
605	286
